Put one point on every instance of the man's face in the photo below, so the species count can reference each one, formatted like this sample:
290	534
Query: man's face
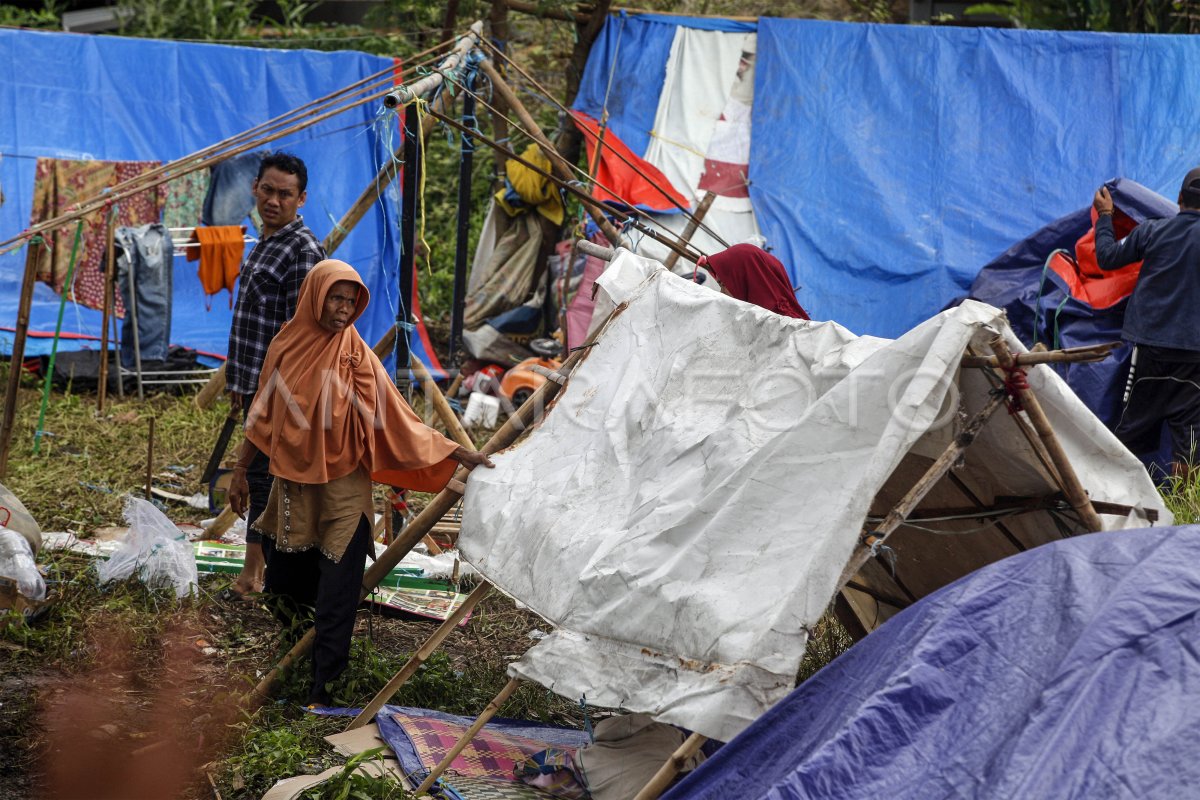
339	306
278	197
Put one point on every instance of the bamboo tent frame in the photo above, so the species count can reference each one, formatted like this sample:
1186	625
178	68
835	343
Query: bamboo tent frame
872	543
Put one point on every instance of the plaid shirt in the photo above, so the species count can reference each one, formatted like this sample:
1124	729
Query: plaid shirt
269	287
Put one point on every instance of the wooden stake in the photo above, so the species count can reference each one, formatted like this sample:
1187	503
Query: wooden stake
922	487
466	738
692	226
24	305
1068	479
420	657
150	461
445	500
667	772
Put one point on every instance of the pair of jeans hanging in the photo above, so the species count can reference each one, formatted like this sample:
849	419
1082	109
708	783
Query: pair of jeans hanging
144	263
230	199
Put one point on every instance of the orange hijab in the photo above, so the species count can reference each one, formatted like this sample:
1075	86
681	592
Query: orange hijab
325	404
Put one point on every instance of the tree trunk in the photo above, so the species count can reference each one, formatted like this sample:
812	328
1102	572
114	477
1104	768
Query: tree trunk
450	21
570	141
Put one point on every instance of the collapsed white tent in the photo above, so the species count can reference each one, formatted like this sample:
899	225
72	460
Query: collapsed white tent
685	510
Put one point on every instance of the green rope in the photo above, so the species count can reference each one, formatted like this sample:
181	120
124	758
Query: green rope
62	304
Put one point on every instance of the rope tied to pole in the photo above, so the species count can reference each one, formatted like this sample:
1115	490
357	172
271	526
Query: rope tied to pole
873	541
1015	382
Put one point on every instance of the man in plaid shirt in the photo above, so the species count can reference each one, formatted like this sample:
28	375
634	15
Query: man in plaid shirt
269	286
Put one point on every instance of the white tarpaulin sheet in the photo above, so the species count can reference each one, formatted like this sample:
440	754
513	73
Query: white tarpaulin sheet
684	511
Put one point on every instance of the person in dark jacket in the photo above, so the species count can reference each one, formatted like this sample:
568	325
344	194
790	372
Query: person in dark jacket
1162	322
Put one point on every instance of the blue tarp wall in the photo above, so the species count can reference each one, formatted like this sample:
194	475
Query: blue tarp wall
111	98
1068	671
889	163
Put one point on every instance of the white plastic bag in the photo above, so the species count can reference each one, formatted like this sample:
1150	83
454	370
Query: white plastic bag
14	516
16	563
155	549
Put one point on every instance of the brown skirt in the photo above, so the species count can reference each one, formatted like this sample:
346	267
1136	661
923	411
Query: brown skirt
300	516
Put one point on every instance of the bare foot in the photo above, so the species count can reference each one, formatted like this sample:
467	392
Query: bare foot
250	579
246	585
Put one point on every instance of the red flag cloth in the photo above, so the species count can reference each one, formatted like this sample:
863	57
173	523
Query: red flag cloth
649	190
752	274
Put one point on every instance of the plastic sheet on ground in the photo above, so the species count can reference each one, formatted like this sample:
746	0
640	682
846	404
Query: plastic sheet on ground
685	510
1068	671
154	550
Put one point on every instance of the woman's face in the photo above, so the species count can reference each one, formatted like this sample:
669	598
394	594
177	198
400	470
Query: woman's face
339	306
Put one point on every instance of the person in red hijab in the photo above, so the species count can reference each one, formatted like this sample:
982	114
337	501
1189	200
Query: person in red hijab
752	274
331	420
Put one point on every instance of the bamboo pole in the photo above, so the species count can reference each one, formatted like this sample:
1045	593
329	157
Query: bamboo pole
89	207
595	207
388	172
446	499
1068	479
209	393
922	487
1070	355
206	157
420	657
440	404
468	735
109	301
697	218
693	224
667	772
559	164
222	523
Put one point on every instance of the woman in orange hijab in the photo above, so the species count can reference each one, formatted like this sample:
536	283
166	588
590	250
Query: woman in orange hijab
331	421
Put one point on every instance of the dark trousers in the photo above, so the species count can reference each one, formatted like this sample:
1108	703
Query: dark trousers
1164	390
310	579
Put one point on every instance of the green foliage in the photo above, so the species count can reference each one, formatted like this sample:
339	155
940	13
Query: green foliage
1181	495
60	636
277	746
355	782
48	16
197	19
1140	16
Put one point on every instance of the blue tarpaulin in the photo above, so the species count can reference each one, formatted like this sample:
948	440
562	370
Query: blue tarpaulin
111	98
627	67
1070	670
889	163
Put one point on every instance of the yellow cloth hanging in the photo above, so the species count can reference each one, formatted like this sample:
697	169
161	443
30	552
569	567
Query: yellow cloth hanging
534	189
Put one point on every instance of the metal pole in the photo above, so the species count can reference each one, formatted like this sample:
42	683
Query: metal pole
408	243
465	164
